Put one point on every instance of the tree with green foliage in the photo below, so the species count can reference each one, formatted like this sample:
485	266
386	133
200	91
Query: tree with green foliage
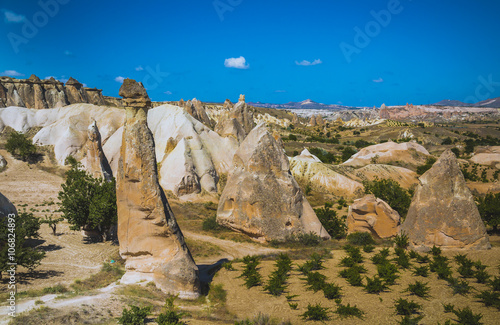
52	222
19	145
24	226
347	152
88	202
425	167
489	209
334	225
391	192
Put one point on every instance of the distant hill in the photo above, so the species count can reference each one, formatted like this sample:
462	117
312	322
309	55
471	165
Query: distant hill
305	104
492	103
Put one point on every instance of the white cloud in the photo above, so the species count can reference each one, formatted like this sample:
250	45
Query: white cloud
238	63
12	17
280	91
308	63
378	80
11	73
119	79
168	92
139	68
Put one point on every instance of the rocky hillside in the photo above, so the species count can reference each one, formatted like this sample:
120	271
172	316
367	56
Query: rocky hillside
438	113
40	94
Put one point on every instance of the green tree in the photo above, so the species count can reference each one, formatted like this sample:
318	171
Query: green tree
334	225
347	152
391	192
88	202
25	227
52	222
19	145
489	209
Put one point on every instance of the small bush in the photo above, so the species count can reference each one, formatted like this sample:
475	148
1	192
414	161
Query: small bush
360	239
314	263
495	283
418	289
448	308
368	248
403	260
459	286
293	305
228	265
374	285
310	239
423	259
490	298
409	320
482	276
421	271
354	253
210	224
250	272
19	145
381	257
59	288
316	312
466	316
406	308
134	316
332	291
334	225
346	311
353	276
435	251
315	281
402	241
388	272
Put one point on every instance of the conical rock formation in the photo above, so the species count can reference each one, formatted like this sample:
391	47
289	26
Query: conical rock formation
150	239
261	197
443	211
95	161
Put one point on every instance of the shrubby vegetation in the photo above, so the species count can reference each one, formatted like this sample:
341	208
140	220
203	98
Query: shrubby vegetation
19	145
489	209
88	202
26	227
334	225
391	192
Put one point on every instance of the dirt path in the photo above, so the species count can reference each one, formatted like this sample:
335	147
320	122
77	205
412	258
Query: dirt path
231	249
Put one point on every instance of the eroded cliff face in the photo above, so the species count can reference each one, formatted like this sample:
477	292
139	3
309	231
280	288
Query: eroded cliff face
150	239
40	94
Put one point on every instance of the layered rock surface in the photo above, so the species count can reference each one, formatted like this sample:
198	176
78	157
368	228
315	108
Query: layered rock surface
261	197
40	94
409	153
237	122
150	239
443	211
373	215
95	162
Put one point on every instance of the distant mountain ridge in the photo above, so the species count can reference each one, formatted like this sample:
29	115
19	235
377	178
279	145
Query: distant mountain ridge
491	103
305	104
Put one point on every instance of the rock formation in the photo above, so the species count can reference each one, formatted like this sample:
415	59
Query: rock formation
313	121
438	113
40	94
261	197
3	162
322	178
201	114
238	122
489	156
295	119
371	214
95	162
403	176
227	104
319	120
443	211
150	239
408	153
6	207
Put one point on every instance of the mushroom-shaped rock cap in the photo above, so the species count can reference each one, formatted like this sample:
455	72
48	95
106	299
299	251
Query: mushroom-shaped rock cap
72	81
133	89
34	78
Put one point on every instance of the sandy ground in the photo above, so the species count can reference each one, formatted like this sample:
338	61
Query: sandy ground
379	309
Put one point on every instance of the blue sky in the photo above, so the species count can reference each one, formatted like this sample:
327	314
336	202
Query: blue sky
358	53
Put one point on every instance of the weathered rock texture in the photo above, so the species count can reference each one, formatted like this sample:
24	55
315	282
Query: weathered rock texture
40	94
489	156
313	121
295	119
261	197
371	214
150	239
407	153
236	123
95	162
196	109
443	212
6	207
437	113
3	162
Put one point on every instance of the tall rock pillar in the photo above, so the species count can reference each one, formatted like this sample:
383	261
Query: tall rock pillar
150	239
